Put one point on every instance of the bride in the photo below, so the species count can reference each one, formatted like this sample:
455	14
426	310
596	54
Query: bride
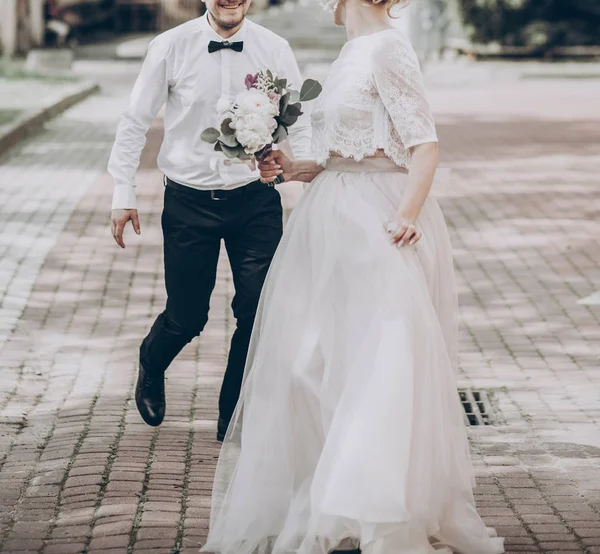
349	432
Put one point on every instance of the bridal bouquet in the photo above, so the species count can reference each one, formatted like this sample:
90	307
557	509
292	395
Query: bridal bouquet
260	116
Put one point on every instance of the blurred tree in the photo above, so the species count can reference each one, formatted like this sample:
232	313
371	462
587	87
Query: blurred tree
536	23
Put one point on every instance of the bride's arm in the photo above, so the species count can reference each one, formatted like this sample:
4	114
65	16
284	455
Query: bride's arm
423	165
400	86
305	171
278	164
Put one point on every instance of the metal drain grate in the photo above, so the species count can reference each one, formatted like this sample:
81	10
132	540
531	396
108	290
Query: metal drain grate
477	406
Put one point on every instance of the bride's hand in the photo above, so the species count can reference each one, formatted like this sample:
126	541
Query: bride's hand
403	231
274	164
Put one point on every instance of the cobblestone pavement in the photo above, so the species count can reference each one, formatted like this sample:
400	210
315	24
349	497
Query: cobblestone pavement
80	472
524	214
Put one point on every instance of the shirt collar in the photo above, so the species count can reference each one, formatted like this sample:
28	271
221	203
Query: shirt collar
213	35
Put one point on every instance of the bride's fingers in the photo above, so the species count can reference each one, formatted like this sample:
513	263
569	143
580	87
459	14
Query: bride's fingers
266	162
270	156
397	232
410	233
416	238
266	159
403	234
270	176
271	172
264	154
268	166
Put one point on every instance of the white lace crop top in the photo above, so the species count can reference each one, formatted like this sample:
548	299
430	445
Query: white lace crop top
373	99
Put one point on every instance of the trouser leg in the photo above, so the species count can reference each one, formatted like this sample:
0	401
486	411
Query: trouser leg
251	245
191	251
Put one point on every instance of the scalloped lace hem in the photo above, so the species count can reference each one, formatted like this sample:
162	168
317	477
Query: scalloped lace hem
360	156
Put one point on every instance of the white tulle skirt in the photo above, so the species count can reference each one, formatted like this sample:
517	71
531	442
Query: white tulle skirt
349	430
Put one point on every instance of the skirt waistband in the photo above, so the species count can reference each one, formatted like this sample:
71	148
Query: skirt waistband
366	165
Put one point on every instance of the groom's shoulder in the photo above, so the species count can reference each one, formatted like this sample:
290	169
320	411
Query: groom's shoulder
179	33
266	35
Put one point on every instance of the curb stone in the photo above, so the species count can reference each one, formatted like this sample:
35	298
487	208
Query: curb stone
33	120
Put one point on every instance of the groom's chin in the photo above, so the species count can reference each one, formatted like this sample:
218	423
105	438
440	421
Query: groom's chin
230	15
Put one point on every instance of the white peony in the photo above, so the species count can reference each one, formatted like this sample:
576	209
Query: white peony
255	101
253	132
253	118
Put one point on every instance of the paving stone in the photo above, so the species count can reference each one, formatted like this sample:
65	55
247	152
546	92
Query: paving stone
110	529
70	532
105	543
23	545
164	544
65	548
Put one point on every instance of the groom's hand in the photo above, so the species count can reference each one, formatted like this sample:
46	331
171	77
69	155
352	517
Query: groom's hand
119	219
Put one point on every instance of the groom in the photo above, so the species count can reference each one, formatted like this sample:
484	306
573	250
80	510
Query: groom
196	69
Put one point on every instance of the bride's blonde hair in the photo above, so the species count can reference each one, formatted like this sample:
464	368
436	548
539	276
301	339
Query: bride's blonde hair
389	4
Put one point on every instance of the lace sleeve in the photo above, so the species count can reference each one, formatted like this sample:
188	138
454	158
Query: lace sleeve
400	85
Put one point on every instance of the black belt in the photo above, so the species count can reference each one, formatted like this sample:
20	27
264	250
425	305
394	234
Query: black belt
255	186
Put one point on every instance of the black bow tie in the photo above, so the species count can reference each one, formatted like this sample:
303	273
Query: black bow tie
214	46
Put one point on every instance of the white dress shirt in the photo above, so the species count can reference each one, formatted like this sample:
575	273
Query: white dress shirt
180	72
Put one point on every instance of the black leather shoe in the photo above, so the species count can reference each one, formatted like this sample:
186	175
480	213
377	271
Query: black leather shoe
150	397
222	430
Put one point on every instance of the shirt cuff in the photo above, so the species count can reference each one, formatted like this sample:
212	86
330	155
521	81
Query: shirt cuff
124	198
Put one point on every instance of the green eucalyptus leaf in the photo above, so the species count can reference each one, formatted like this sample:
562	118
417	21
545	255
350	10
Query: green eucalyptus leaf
289	120
280	85
285	102
294	109
310	90
231	153
226	129
294	96
280	134
270	75
241	153
210	135
229	140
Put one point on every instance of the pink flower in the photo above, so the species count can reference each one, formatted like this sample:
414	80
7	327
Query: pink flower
275	98
251	81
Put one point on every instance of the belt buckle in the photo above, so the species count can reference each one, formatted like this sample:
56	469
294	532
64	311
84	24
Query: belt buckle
213	195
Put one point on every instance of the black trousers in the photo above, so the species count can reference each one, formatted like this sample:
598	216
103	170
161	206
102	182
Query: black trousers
194	224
